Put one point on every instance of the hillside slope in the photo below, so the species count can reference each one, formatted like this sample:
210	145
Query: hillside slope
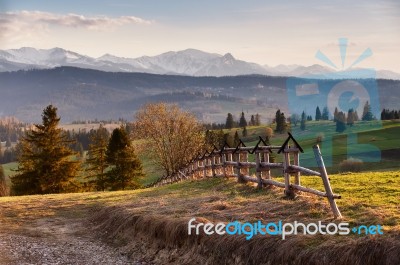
150	226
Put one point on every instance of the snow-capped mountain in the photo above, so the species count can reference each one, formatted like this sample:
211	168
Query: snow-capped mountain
187	62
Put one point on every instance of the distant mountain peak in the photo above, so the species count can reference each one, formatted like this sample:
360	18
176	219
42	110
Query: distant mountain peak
185	62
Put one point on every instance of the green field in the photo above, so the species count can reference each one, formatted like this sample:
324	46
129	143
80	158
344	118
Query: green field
386	138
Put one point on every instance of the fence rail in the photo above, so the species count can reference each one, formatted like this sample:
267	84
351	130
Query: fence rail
234	162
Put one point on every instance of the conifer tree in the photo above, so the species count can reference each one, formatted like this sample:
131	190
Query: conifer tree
258	120
367	114
126	166
280	121
350	117
303	121
325	114
97	158
340	122
252	121
242	121
46	163
335	114
3	185
229	121
317	114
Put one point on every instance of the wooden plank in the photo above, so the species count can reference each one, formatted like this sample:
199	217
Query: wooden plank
247	164
273	182
271	165
305	170
291	150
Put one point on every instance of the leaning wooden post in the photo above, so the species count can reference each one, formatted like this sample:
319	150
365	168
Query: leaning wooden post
325	180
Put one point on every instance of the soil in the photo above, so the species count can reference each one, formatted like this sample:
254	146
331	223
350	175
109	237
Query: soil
38	238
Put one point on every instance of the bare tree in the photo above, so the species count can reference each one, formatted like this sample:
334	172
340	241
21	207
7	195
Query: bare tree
174	136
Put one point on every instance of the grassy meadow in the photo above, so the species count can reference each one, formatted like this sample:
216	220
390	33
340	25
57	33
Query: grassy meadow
159	215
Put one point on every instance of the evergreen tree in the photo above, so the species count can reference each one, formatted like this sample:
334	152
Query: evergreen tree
309	118
229	121
277	120
258	120
340	122
3	185
252	121
280	122
325	114
126	166
350	117
242	121
97	159
367	114
317	114
303	121
335	114
46	162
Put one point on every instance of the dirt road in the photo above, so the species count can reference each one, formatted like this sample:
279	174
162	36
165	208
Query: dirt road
56	241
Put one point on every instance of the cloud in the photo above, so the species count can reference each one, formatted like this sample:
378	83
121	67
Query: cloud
38	19
34	26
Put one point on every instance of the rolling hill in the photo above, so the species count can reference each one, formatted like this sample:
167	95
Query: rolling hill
88	94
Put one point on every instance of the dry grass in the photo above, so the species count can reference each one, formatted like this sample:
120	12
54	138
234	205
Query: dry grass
152	223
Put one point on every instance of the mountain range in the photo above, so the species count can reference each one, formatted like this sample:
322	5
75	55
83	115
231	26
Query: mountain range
189	62
87	94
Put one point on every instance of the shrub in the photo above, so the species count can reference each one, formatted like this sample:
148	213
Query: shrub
351	165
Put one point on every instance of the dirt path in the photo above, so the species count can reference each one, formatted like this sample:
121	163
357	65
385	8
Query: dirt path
53	230
57	241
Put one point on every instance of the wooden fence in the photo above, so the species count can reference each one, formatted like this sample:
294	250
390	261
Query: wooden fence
234	162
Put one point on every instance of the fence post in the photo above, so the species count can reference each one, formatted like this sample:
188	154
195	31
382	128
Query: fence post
286	164
213	165
230	158
325	180
223	156
258	169
237	167
205	167
296	161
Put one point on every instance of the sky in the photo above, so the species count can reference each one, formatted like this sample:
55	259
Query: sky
265	32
